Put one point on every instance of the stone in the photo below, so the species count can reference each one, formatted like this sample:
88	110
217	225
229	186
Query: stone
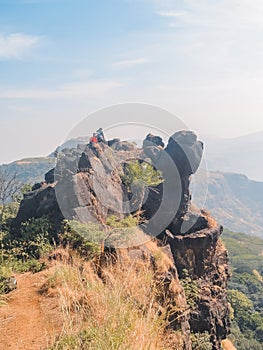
49	176
151	140
86	186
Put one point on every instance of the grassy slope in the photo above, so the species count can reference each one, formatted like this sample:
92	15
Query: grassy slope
234	200
246	259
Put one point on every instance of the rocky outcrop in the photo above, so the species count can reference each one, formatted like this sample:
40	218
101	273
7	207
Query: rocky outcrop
205	259
87	186
36	204
177	162
151	139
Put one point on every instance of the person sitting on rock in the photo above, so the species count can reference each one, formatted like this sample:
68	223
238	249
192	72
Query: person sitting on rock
101	137
94	138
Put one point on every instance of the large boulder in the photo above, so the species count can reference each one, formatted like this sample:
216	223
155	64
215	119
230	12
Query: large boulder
177	162
36	204
151	139
84	186
205	259
186	151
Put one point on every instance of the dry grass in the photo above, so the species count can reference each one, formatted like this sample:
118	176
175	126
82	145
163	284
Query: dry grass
121	310
212	223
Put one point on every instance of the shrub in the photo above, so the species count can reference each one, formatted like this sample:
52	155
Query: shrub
141	174
191	289
115	222
9	212
86	239
5	274
241	342
23	253
201	341
34	241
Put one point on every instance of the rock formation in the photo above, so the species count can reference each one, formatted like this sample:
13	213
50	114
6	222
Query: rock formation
87	186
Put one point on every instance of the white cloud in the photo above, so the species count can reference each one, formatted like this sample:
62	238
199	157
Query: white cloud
69	90
172	13
235	13
129	63
15	45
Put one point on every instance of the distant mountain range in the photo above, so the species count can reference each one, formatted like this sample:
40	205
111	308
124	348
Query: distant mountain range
233	199
30	170
241	155
72	143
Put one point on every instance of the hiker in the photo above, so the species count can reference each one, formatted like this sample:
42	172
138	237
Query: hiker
94	138
101	137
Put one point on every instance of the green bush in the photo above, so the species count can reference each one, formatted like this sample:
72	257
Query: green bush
32	265
191	289
86	239
241	342
246	289
34	241
9	212
141	174
201	341
248	320
128	221
22	254
5	274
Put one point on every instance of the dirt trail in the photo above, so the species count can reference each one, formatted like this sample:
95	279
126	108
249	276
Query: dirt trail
28	321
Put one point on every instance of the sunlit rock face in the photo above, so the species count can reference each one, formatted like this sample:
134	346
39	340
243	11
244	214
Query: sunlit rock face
87	185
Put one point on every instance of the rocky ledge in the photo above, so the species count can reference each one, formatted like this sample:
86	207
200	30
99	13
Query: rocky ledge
87	185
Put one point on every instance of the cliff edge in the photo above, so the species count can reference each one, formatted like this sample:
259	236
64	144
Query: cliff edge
90	184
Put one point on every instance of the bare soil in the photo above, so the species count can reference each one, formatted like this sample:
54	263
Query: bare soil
29	321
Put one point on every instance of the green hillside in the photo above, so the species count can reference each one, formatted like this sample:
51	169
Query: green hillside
246	289
30	170
233	199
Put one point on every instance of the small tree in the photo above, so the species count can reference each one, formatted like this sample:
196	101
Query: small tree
9	187
137	177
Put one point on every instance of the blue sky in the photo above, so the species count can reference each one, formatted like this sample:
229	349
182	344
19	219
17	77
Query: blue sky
60	60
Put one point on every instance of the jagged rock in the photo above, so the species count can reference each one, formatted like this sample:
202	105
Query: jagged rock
112	142
84	163
177	162
36	186
123	146
50	176
205	258
86	186
153	152
38	203
186	151
151	140
81	147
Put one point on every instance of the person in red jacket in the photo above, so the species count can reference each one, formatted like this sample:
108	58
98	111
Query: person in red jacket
94	138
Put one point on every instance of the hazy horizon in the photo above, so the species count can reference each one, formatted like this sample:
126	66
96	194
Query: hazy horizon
203	138
60	62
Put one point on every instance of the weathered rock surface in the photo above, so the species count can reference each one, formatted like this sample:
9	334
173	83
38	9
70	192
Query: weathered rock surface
205	258
36	204
86	186
177	162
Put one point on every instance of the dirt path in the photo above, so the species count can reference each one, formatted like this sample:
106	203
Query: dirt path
26	321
